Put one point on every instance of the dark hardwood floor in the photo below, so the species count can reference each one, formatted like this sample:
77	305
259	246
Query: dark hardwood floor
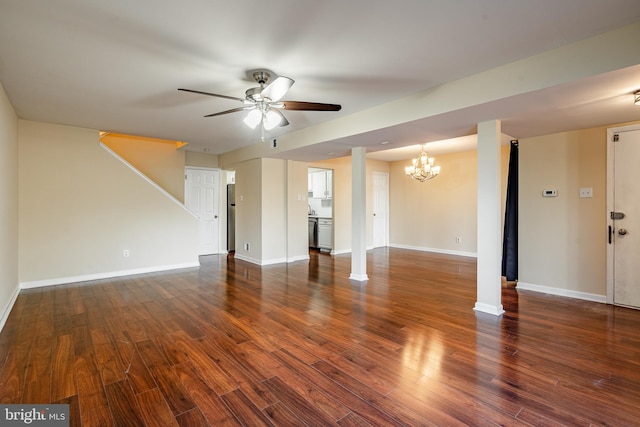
231	343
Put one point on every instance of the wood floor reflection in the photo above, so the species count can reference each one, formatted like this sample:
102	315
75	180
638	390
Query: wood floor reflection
231	343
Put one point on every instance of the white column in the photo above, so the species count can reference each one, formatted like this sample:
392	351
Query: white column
358	215
489	287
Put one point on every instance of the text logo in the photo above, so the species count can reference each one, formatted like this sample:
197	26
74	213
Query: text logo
34	415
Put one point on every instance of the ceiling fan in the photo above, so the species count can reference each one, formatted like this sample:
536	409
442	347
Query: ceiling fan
265	103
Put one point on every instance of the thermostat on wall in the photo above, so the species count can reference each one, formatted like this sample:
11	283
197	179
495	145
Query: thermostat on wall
549	193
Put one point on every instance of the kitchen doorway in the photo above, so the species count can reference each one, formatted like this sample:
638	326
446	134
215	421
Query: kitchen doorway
320	212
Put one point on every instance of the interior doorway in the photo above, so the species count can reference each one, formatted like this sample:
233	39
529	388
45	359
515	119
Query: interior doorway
623	215
320	212
380	203
202	197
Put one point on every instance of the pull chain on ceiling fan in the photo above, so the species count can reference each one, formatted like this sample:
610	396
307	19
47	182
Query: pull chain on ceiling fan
264	102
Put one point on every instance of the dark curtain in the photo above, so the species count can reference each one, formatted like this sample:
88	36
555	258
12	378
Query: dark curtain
510	239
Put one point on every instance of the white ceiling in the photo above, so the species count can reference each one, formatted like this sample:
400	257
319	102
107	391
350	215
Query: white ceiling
115	65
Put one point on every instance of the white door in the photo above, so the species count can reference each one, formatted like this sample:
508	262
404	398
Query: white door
380	209
624	218
202	197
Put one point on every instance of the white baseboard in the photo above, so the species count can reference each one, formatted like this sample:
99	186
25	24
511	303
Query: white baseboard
299	258
107	275
4	314
562	292
271	261
340	252
274	261
359	277
248	259
489	309
440	251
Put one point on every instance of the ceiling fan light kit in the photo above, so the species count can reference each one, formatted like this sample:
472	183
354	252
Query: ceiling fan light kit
253	118
263	102
272	119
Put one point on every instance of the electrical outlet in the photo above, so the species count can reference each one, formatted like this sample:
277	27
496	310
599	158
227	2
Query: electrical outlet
246	246
586	193
458	239
125	253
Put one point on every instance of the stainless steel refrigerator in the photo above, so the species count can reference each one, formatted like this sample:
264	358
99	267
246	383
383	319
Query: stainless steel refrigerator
231	217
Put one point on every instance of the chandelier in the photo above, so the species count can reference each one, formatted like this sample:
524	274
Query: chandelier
422	168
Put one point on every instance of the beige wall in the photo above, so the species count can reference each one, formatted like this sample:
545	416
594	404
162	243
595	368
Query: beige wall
80	207
562	240
272	215
70	227
9	277
248	210
274	211
201	160
430	215
158	159
297	219
342	199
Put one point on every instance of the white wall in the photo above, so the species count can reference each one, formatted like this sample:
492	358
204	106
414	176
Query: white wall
80	208
8	206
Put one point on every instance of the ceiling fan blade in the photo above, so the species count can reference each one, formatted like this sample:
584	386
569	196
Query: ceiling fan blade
233	110
277	88
212	94
310	106
284	121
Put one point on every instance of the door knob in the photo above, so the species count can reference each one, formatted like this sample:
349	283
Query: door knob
622	232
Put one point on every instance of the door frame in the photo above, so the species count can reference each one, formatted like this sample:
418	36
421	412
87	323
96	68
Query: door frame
610	204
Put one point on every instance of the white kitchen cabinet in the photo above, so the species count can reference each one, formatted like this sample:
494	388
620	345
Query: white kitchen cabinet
322	184
325	233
